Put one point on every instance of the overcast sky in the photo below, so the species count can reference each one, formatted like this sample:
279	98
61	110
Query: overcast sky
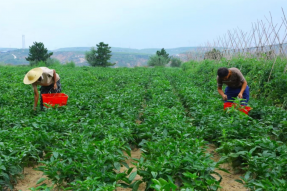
128	23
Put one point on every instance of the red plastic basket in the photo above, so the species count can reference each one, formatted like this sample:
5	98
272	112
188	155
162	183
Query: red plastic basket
245	110
53	99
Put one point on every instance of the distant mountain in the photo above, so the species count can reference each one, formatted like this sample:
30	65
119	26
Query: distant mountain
7	49
120	58
123	57
171	51
14	56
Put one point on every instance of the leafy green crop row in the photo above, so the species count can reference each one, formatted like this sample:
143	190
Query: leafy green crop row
171	114
253	144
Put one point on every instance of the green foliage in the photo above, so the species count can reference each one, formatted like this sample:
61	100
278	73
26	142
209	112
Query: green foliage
99	57
171	115
213	54
71	64
40	64
163	53
162	185
175	62
52	62
156	60
37	53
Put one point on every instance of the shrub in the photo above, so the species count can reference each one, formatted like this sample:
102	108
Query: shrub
175	62
71	64
53	62
156	60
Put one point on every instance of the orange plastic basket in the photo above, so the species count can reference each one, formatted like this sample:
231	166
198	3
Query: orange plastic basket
245	110
53	99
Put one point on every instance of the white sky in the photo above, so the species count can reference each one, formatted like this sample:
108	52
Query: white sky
128	23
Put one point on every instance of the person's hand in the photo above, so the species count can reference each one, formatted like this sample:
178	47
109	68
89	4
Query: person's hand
55	86
240	95
224	97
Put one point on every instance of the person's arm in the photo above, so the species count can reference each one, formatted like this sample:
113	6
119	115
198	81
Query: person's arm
55	76
243	87
36	97
220	91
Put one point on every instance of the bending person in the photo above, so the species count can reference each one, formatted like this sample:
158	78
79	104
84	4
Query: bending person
47	78
236	85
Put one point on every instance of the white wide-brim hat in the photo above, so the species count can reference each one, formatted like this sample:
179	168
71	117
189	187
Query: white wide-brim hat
33	75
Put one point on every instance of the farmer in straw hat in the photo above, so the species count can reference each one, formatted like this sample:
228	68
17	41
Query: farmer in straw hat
47	78
236	85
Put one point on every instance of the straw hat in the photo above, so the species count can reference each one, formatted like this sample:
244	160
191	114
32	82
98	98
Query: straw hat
32	76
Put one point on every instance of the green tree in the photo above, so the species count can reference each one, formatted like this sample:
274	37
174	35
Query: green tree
37	53
175	62
157	60
99	57
163	53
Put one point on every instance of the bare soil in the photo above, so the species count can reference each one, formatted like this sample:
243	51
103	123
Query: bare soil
228	182
135	153
30	179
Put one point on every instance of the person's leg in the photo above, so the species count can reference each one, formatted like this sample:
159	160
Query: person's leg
245	96
59	86
44	90
231	93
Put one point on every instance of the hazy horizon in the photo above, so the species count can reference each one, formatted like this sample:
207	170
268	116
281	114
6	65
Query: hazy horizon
140	24
95	46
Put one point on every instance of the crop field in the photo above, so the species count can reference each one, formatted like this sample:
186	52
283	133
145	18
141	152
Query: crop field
170	114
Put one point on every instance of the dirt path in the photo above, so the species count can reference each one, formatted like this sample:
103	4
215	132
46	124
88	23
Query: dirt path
135	153
228	182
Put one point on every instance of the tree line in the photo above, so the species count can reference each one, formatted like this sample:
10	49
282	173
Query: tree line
98	57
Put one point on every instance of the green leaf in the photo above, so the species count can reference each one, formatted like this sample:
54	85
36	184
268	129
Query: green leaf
35	125
117	165
259	184
126	165
240	181
155	181
132	176
169	178
234	155
252	150
123	185
130	170
162	181
168	153
41	180
220	177
6	176
136	185
224	170
247	175
154	174
55	154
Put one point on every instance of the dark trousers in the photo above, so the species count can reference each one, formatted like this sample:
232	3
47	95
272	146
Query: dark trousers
49	89
233	93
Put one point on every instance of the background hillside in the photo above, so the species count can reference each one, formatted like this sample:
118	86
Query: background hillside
124	57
